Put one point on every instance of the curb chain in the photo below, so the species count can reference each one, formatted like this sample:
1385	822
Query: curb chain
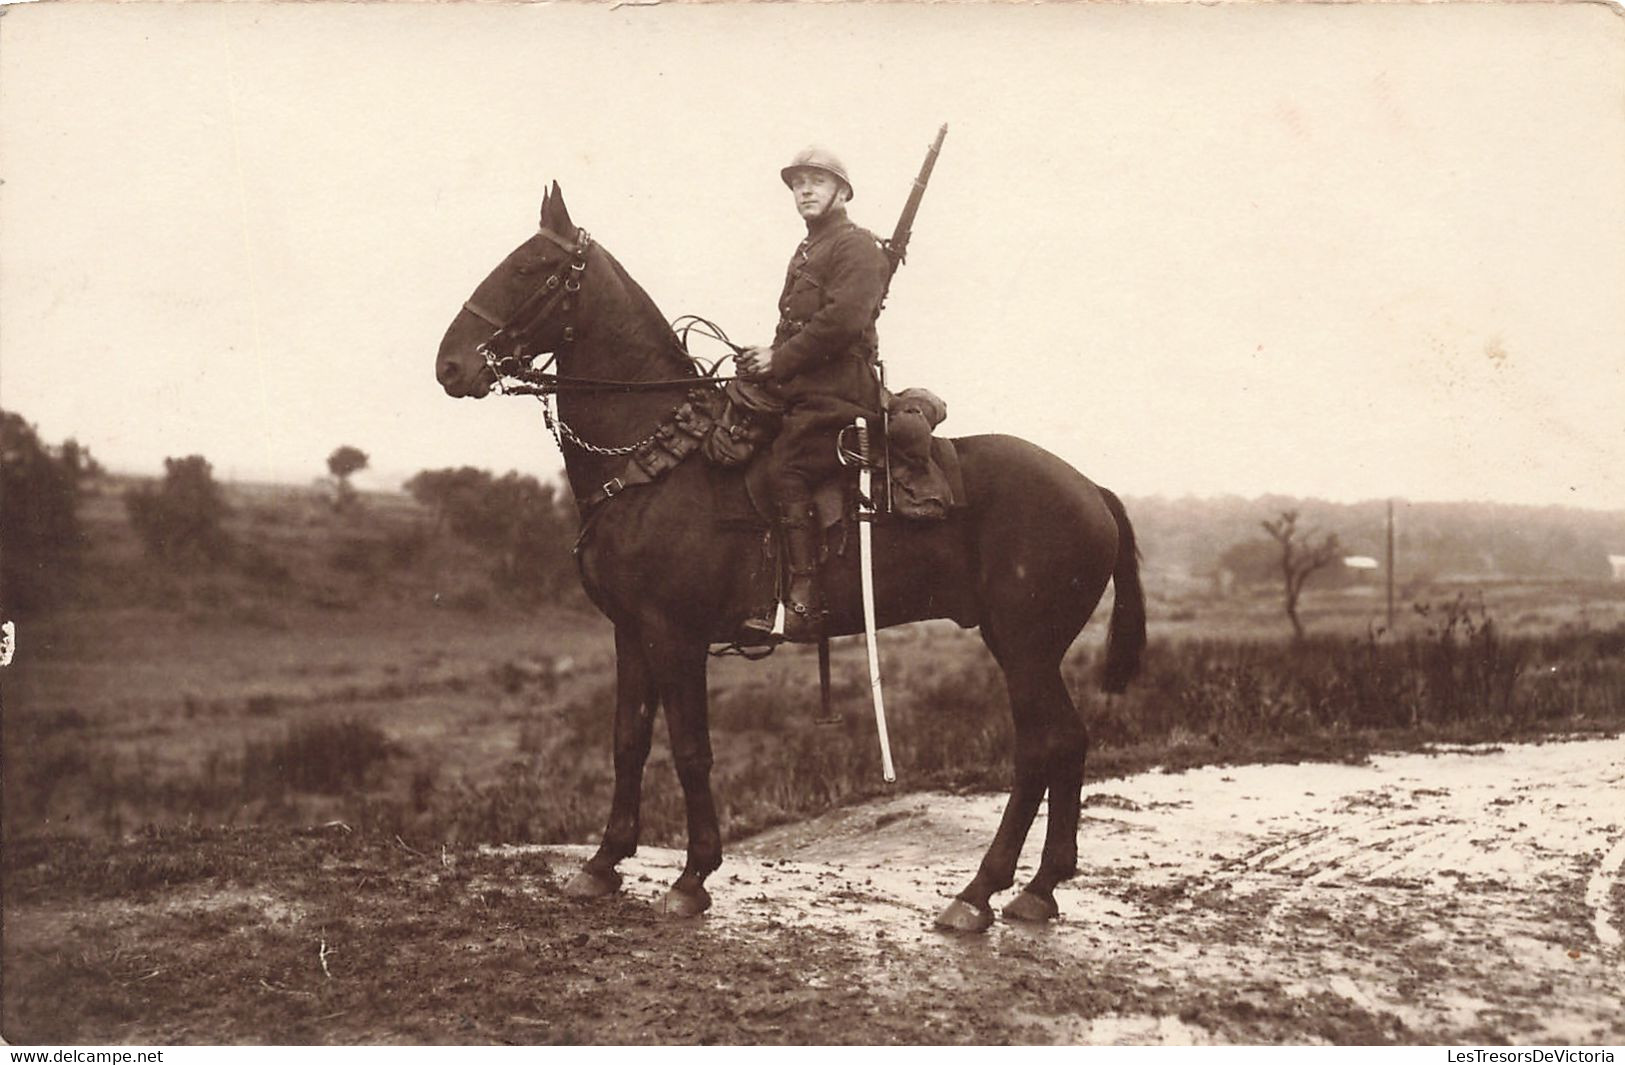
562	432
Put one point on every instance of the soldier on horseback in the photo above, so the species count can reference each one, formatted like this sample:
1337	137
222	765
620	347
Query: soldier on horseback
1026	557
822	363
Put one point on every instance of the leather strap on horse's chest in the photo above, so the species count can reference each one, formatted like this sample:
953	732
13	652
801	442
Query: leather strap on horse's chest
678	437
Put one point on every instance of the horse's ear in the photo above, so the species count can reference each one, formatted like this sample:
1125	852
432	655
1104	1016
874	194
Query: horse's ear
555	215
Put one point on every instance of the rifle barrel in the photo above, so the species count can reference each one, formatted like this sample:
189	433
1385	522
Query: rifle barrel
897	247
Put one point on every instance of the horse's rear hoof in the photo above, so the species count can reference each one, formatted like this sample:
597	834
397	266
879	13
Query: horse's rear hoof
587	884
1029	907
678	903
961	916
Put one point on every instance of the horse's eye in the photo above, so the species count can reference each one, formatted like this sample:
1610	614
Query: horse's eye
523	269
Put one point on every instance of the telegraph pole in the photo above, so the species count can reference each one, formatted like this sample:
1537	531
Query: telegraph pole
1390	566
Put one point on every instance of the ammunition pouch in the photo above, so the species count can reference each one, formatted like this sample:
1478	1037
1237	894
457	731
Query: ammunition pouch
749	418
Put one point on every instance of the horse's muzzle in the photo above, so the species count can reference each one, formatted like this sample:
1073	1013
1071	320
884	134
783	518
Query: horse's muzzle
460	384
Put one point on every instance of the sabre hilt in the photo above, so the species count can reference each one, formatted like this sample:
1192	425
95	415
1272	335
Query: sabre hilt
852	446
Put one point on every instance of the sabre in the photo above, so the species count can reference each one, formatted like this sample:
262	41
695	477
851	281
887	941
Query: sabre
866	558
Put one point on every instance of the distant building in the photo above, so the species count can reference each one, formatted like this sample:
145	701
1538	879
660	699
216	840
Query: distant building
1358	569
1617	563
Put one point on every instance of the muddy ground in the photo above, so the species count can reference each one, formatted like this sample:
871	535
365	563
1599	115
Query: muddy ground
1469	896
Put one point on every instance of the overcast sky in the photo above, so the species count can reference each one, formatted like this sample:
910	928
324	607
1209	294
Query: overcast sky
1342	250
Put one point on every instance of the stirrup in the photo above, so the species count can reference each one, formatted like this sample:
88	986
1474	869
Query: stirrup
767	628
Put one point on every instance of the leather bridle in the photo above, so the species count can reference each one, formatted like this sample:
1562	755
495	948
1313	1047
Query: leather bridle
558	292
506	355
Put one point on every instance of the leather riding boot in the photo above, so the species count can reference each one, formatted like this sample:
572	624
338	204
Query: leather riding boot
803	606
803	619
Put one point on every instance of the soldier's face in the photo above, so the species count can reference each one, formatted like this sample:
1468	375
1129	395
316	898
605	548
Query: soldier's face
815	192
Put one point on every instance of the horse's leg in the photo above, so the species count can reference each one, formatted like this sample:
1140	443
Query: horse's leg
971	910
679	667
1068	744
635	700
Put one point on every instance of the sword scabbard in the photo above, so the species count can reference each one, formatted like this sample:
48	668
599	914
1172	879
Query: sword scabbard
866	561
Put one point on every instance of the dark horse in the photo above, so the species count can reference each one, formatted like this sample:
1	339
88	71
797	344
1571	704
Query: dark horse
1027	561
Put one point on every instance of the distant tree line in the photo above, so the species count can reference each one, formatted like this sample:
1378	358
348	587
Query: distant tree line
40	535
524	528
1432	540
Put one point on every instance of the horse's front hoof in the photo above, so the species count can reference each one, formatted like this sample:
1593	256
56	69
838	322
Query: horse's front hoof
961	916
1030	907
681	903
589	884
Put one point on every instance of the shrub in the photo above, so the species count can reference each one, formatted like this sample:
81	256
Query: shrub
355	554
40	535
259	565
183	519
405	547
371	556
320	756
526	527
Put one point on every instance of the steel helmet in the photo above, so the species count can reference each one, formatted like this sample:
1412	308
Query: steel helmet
816	158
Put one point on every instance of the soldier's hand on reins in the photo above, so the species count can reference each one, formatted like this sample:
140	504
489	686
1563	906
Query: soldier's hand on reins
755	362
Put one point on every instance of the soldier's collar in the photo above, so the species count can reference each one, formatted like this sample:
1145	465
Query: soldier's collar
825	222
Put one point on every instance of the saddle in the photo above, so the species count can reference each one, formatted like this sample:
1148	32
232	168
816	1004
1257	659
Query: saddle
918	473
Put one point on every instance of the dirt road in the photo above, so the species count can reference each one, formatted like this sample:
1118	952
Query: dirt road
1473	894
1469	896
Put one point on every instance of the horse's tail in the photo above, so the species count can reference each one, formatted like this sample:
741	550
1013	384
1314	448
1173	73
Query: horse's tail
1125	637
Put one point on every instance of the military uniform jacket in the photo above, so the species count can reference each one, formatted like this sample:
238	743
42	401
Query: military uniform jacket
825	343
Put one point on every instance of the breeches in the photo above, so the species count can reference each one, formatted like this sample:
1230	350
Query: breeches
803	454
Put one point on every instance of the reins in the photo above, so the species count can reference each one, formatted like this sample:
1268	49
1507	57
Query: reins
538	383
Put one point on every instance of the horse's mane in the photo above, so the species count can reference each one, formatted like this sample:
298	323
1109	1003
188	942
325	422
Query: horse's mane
644	305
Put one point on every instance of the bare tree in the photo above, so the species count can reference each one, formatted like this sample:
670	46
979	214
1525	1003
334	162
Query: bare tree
1301	555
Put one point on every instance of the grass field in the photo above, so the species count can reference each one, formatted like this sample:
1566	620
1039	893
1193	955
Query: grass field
355	667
